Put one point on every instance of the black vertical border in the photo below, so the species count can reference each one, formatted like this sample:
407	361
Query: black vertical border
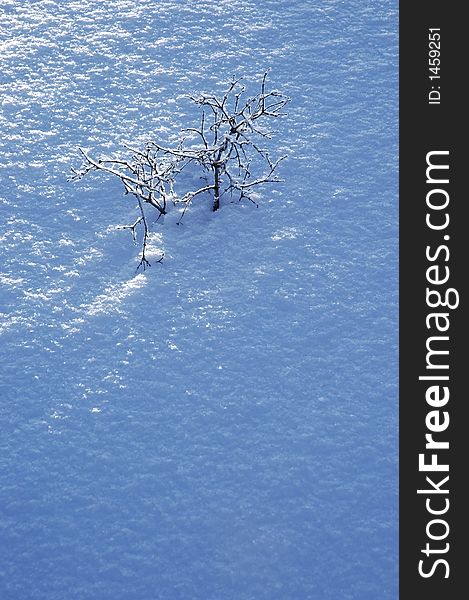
424	128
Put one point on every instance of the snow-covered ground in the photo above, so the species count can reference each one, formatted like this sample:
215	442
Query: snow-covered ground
223	425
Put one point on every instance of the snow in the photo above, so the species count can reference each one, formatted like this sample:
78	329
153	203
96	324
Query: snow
224	424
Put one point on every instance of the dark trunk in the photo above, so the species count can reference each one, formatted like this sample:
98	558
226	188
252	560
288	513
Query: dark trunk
216	190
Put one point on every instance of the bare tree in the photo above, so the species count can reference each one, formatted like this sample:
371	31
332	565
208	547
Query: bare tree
227	145
146	175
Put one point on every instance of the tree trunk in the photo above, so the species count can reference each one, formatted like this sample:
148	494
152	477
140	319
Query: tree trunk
216	190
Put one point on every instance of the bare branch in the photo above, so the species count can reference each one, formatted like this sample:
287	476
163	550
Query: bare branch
132	228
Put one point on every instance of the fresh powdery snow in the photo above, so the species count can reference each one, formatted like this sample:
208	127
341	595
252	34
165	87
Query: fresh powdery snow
222	425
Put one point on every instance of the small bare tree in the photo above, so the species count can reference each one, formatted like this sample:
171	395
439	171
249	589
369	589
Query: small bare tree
230	144
226	145
146	175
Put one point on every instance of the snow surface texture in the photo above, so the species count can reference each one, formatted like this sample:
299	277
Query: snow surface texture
224	425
